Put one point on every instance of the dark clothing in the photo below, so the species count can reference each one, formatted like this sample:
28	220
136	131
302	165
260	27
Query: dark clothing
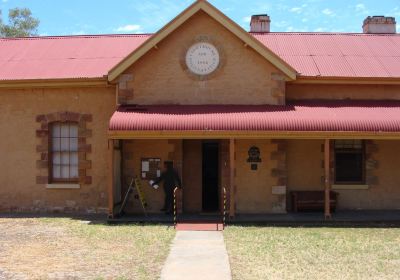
171	180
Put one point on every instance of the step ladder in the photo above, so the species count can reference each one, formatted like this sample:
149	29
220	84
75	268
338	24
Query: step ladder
134	185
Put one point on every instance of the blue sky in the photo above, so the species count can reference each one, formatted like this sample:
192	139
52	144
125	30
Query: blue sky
73	17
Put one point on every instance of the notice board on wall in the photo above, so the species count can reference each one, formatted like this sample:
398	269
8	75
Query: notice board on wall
151	168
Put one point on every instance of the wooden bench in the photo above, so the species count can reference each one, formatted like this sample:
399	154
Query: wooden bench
312	201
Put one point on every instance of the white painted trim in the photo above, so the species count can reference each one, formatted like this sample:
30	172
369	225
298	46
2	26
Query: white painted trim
63	186
350	187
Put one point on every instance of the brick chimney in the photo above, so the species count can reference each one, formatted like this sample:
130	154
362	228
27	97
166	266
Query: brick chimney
260	24
379	25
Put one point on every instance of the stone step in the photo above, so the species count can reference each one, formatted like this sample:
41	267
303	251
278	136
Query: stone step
199	226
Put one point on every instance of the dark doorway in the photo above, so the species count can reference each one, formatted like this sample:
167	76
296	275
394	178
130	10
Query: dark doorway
210	176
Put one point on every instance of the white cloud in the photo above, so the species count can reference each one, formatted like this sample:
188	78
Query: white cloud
80	32
153	16
280	24
290	29
396	12
361	9
296	10
320	29
129	28
247	19
4	1
328	12
228	9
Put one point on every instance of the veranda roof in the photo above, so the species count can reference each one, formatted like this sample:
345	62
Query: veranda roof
304	116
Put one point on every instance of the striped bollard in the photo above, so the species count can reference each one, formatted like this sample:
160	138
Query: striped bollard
175	209
224	218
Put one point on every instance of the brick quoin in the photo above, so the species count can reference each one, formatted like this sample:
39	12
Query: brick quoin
84	149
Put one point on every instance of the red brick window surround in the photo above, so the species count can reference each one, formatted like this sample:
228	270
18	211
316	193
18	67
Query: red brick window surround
63	151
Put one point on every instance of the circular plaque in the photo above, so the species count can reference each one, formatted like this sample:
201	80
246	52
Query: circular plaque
202	58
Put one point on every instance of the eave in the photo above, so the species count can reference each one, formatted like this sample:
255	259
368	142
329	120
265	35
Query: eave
347	80
123	135
55	83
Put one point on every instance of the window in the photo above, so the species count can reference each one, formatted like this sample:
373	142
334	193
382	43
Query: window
64	153
349	162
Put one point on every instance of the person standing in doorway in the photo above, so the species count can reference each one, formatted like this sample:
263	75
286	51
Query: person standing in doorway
171	180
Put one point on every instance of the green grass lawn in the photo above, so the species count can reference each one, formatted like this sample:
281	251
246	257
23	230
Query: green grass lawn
313	253
58	248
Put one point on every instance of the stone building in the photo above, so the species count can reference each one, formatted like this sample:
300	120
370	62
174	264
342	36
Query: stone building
254	117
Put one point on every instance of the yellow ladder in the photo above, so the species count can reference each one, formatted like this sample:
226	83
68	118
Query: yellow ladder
135	183
142	197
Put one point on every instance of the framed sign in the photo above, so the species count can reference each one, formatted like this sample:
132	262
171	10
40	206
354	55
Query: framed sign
254	155
151	168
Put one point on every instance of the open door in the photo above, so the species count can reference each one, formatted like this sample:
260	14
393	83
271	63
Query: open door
210	176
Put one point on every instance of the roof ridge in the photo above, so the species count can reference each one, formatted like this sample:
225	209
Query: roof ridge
74	36
325	33
52	37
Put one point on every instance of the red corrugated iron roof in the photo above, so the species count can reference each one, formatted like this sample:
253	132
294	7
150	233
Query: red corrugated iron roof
65	57
311	54
327	116
337	54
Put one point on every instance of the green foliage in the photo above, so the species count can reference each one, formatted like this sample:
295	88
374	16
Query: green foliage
21	23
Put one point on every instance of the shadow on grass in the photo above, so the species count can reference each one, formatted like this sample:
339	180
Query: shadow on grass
325	224
151	220
89	219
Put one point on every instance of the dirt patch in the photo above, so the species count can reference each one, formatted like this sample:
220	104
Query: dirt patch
73	249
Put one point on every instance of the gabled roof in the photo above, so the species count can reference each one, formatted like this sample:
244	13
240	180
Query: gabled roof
205	6
314	56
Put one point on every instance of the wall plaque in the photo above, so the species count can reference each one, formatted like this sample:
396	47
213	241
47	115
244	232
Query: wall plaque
202	58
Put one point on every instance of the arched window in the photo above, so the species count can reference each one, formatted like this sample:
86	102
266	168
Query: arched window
63	156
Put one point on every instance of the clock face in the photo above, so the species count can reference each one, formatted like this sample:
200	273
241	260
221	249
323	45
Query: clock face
202	58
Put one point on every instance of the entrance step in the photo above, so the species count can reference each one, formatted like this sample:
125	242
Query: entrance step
199	226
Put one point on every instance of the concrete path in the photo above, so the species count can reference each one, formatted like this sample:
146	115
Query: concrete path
197	255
